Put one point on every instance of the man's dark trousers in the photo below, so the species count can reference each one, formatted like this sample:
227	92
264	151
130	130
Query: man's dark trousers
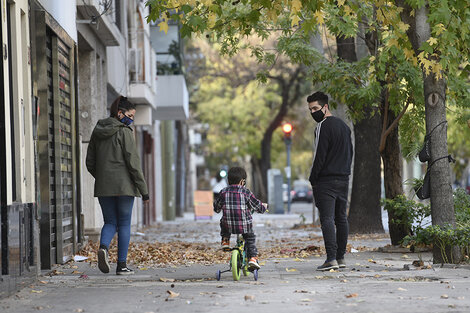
331	199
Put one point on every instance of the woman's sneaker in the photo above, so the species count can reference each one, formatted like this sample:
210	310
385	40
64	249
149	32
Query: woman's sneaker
124	271
103	260
333	265
253	264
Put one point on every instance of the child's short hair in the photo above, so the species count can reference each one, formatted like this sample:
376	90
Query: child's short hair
235	175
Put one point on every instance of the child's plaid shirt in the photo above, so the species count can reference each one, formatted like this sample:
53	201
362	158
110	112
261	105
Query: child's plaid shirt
237	203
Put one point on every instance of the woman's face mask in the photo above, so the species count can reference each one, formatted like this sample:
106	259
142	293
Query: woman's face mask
126	120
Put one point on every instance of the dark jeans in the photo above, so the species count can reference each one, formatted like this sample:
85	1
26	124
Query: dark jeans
331	200
250	239
117	213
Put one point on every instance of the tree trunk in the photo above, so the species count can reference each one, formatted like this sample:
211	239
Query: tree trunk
265	162
258	187
290	86
442	206
392	163
364	213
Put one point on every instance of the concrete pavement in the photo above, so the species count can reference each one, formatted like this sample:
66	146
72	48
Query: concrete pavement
372	282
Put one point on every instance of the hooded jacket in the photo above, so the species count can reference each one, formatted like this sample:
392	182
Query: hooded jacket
113	161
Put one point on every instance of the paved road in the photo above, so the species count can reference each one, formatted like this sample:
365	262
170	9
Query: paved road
373	282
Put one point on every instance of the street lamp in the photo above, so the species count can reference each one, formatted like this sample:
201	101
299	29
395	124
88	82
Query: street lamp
287	130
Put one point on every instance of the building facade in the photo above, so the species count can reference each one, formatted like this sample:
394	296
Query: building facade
63	64
18	209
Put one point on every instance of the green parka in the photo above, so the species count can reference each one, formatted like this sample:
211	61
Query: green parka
113	161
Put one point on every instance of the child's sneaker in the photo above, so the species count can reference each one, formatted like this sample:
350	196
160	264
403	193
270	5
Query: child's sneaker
225	244
253	264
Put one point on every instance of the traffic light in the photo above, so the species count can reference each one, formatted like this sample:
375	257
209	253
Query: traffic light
287	130
223	171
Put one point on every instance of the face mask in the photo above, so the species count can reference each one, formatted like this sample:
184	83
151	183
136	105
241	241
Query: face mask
318	116
126	120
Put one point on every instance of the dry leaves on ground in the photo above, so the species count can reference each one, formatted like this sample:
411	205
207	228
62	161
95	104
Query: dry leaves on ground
177	253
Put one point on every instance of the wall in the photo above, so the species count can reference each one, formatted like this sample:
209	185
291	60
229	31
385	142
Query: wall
64	12
18	253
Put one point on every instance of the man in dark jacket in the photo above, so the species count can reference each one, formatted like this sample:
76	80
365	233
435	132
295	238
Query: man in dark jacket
330	178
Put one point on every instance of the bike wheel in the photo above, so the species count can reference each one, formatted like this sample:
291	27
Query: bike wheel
235	262
218	275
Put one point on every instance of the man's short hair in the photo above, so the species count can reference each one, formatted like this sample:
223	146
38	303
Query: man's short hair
235	175
318	96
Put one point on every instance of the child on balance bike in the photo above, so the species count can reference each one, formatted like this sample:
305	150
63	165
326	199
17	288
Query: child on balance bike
237	204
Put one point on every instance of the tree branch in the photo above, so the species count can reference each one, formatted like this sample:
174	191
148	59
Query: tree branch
392	126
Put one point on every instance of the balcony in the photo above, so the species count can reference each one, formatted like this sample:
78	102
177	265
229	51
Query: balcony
141	93
172	98
102	26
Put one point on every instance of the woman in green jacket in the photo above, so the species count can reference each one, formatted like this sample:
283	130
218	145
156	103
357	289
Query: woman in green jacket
113	161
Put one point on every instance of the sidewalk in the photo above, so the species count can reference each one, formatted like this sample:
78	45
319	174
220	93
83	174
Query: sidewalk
372	282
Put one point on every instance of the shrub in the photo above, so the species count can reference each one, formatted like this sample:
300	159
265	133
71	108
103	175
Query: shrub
413	215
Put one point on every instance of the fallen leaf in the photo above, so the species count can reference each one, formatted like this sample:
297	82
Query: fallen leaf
352	295
167	280
43	282
444	296
56	272
372	261
404	256
401	289
343	281
290	269
377	276
306	300
79	310
77	272
418	263
460	298
143	268
249	298
36	291
74	267
172	294
301	291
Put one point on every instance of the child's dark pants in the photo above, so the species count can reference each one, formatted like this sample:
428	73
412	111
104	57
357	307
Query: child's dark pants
250	239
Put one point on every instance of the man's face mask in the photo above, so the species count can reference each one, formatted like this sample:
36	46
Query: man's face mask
318	116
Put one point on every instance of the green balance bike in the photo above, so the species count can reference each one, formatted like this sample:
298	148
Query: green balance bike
238	262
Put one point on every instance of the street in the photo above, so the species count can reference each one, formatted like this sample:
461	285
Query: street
373	281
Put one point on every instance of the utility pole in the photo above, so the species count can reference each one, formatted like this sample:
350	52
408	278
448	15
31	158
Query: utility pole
287	129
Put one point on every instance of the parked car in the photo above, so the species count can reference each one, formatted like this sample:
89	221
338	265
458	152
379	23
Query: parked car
302	194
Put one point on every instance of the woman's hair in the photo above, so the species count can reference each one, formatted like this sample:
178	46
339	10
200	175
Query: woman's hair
121	103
